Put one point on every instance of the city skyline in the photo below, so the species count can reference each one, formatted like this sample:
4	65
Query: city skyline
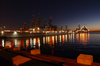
70	12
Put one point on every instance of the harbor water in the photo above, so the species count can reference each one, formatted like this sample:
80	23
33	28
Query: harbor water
67	45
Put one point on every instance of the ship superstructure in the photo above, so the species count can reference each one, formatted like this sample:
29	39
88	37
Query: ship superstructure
84	29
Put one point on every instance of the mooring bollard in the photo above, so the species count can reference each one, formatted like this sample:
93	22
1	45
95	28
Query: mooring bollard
35	51
6	47
85	59
16	48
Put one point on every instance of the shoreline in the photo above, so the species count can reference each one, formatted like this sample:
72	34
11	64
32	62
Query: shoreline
25	35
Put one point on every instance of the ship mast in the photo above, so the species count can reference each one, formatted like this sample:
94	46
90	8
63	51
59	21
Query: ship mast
79	26
66	26
33	22
44	23
61	27
50	25
38	21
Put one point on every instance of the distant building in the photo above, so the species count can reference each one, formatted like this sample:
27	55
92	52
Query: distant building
84	29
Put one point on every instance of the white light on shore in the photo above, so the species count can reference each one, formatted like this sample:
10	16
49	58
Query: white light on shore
33	29
3	42
38	28
30	31
2	32
15	32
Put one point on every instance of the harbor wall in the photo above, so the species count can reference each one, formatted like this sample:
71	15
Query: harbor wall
11	34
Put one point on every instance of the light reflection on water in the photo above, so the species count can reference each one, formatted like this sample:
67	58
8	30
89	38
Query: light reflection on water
69	46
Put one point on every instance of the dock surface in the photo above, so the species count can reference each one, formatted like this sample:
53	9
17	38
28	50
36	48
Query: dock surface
59	61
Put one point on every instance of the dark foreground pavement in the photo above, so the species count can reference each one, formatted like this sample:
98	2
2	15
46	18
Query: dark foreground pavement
6	60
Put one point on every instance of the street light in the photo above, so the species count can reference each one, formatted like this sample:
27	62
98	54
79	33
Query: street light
2	32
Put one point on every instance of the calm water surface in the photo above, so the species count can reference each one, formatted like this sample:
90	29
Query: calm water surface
68	46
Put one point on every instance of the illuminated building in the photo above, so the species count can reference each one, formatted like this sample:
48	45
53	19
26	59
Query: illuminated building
84	29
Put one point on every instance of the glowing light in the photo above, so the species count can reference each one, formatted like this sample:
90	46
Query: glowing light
59	31
25	23
27	31
53	40
60	38
39	42
46	39
34	41
52	31
56	39
15	32
43	40
73	37
18	43
6	30
8	43
15	42
70	31
38	28
31	41
55	31
65	31
43	31
27	42
2	32
3	42
30	31
66	37
62	30
50	17
33	29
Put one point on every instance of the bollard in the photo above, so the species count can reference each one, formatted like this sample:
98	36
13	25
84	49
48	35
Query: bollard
35	51
16	48
6	47
85	59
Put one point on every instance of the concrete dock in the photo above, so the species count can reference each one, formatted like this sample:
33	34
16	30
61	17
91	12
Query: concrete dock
6	59
46	59
23	35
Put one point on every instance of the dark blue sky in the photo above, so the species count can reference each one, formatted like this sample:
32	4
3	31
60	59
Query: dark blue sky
13	13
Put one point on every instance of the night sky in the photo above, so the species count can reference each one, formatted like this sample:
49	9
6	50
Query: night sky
13	13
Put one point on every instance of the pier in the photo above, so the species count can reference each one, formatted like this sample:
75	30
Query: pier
59	61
